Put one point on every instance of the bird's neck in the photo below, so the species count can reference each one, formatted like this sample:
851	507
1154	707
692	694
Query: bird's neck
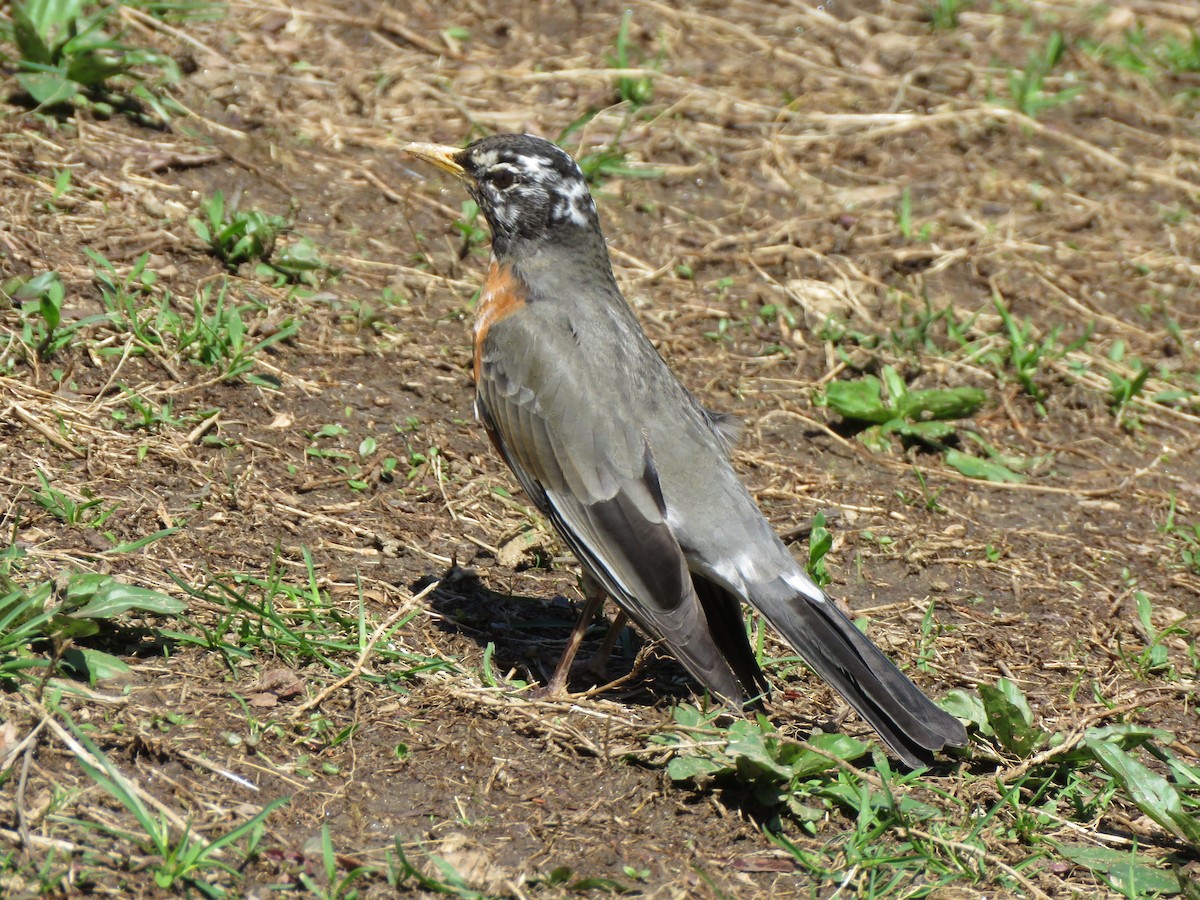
561	269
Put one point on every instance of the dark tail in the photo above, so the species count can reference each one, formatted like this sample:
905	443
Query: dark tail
908	721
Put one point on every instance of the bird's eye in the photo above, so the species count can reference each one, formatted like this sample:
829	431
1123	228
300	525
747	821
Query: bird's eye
504	179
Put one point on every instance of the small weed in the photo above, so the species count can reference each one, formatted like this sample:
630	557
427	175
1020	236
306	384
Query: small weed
775	769
943	14
180	11
65	55
298	624
904	223
62	185
299	262
356	471
820	541
609	161
1138	52
930	632
1188	537
335	886
41	623
928	498
901	824
185	860
768	322
1180	57
130	307
994	465
1027	92
1025	354
215	335
1003	714
143	414
919	331
1125	387
401	871
218	336
40	299
89	512
721	332
637	91
1153	659
887	407
236	236
456	36
469	226
917	415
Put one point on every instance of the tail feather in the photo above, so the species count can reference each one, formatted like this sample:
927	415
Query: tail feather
907	720
723	611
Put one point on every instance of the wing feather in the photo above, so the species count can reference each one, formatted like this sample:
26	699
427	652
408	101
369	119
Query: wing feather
592	473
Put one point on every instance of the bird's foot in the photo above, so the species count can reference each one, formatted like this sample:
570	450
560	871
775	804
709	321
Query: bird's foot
556	689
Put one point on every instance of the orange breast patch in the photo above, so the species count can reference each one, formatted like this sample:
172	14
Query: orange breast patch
503	294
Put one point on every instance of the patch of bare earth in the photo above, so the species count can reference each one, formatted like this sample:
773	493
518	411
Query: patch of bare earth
783	137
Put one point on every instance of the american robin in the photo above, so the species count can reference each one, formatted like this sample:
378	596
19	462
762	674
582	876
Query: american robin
628	466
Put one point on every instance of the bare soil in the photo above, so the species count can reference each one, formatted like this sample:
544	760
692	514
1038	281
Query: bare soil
782	138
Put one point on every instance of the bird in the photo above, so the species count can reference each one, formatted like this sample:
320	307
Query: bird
631	470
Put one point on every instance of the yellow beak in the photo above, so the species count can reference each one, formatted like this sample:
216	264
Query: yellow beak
441	156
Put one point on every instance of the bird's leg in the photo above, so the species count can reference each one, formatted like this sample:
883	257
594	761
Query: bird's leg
593	595
593	599
598	664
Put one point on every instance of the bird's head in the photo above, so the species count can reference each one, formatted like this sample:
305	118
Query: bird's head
527	188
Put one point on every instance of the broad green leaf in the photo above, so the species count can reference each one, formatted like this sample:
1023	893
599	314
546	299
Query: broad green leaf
28	36
1183	774
819	543
1128	872
1153	794
944	403
840	746
983	469
925	431
95	66
691	768
859	400
687	715
897	390
1128	735
104	598
1011	718
64	627
201	229
94	664
1016	697
50	306
34	288
299	256
48	88
751	751
876	438
966	706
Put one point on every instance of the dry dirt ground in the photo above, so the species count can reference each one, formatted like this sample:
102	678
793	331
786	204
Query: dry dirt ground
805	194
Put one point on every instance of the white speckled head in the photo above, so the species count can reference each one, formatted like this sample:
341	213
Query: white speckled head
527	188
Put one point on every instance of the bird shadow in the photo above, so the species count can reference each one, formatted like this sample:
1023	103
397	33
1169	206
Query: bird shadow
527	635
